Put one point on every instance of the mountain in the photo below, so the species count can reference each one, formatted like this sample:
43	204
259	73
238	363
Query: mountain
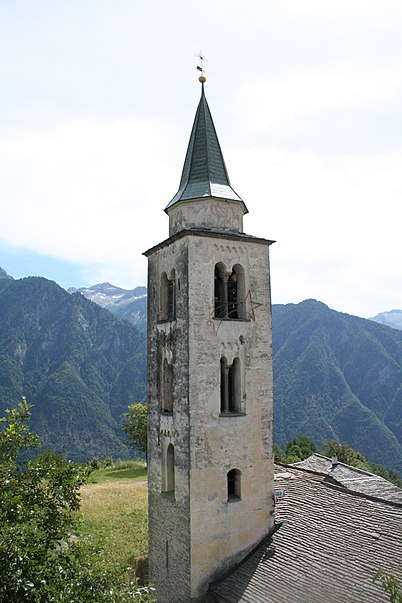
3	274
338	376
393	319
124	303
78	364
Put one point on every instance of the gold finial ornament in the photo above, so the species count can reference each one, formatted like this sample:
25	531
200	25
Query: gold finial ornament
202	79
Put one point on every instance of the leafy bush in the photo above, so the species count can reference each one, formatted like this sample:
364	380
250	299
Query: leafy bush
41	561
136	426
390	585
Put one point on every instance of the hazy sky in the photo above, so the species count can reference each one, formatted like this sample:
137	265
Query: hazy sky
96	106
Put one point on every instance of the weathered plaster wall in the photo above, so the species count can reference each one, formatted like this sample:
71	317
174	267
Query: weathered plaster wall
203	213
205	533
227	530
169	515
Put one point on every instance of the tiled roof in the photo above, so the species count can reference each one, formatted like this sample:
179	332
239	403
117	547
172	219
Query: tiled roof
328	549
352	478
204	172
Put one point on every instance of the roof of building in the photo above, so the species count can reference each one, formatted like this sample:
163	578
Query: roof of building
353	478
208	232
330	546
204	171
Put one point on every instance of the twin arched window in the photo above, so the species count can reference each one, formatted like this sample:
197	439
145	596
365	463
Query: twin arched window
229	292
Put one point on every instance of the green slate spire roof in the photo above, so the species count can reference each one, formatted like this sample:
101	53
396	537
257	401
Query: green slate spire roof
204	171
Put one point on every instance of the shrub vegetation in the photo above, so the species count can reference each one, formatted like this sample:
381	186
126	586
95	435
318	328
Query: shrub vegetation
44	558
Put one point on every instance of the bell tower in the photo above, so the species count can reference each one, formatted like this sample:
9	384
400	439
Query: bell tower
210	428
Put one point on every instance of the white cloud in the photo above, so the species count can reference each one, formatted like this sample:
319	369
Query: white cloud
336	221
318	85
346	14
89	189
289	100
92	190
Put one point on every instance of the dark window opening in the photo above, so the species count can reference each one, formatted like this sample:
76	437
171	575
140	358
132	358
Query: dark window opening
229	292
167	297
219	294
167	387
233	484
232	296
168	477
171	301
230	387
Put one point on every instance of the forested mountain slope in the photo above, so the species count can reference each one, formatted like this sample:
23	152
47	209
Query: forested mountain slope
79	365
335	376
338	376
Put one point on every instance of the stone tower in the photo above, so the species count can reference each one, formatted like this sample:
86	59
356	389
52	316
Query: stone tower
210	451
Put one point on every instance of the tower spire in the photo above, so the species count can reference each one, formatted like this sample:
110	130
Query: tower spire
204	172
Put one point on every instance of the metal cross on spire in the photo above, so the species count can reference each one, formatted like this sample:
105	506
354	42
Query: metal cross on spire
202	58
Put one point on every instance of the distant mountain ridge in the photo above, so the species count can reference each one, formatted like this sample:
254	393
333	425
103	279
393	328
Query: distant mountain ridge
392	318
78	364
321	378
336	376
314	386
124	303
3	274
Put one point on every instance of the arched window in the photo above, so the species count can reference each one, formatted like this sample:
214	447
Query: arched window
168	480
172	296
235	387
167	297
232	296
229	292
237	293
220	292
224	386
167	387
231	395
233	479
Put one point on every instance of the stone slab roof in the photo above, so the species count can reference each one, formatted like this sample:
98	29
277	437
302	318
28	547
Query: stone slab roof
328	549
352	478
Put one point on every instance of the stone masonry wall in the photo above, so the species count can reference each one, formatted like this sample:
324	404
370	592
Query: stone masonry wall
169	514
222	532
206	534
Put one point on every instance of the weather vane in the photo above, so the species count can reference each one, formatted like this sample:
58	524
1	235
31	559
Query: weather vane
202	58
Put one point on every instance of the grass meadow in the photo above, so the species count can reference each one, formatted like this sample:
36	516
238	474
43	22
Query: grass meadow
115	515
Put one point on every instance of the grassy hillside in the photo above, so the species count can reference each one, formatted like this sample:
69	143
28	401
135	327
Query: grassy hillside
114	511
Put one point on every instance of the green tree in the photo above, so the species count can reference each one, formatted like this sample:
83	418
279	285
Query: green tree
302	447
390	584
349	456
345	454
40	559
279	455
136	426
